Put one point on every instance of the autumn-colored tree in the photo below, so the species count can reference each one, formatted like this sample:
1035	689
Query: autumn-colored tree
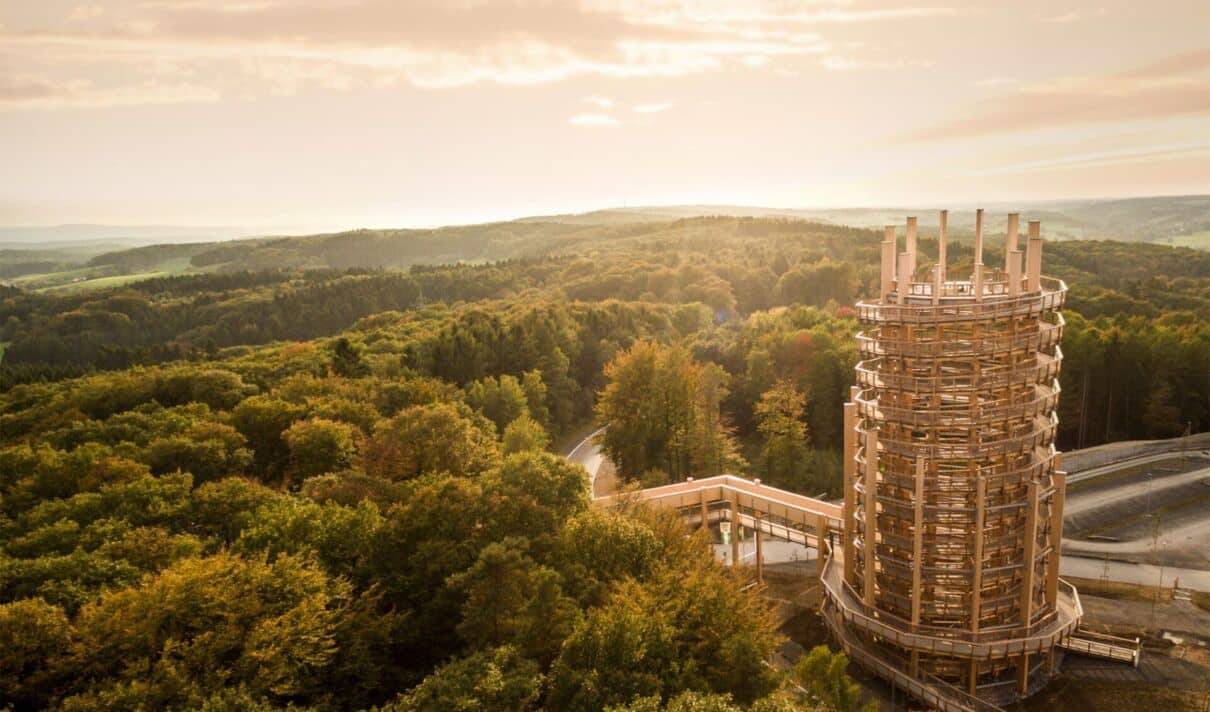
824	674
35	640
512	600
432	438
779	420
493	680
263	420
524	435
502	400
661	410
318	446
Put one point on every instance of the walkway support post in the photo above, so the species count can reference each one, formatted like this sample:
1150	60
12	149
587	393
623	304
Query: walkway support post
760	552
735	529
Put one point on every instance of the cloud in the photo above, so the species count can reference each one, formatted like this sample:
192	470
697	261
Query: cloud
81	13
600	101
1062	19
1174	86
996	82
594	120
847	64
1116	157
254	47
652	108
37	93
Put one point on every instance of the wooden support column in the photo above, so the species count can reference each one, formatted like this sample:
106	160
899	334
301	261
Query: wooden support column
1010	240
911	245
821	528
942	229
917	541
977	574
1031	547
734	532
1033	257
1027	580
871	512
1056	538
977	269
903	284
1014	273
887	277
760	552
937	281
850	492
917	556
979	236
977	564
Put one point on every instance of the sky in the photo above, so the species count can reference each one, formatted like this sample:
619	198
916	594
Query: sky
328	114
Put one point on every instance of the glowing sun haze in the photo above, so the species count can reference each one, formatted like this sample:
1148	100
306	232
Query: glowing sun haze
344	113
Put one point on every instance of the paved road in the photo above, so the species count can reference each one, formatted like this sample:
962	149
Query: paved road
1080	501
588	454
1090	473
1125	572
1183	540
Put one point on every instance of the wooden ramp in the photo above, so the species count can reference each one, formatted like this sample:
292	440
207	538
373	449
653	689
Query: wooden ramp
1105	647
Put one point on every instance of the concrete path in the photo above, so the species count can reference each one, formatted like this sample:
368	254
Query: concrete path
588	454
1090	473
1080	501
1142	574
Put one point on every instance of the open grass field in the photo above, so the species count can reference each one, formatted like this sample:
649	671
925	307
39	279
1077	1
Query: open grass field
1119	591
91	278
39	281
1197	240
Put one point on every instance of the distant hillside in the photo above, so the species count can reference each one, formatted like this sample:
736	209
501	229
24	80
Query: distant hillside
1177	221
1183	220
63	235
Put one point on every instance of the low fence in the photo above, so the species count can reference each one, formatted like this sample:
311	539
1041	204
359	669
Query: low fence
1075	461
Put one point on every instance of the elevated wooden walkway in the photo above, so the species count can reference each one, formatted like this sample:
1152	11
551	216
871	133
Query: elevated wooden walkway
776	512
1105	647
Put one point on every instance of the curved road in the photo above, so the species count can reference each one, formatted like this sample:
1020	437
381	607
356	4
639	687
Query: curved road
588	454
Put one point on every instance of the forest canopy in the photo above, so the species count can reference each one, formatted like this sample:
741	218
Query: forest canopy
340	487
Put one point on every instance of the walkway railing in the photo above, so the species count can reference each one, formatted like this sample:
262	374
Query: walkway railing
1104	646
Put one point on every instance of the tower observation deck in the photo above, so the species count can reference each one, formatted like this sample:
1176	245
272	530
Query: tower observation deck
953	511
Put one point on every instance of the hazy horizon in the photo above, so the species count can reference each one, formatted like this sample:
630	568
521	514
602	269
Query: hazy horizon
150	233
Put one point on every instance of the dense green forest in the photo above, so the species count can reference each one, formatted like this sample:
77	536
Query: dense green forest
342	523
1137	312
331	488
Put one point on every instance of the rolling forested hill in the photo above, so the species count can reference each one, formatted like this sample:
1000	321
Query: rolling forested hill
737	267
316	474
46	259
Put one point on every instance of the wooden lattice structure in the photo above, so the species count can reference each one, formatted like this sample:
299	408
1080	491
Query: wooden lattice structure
953	498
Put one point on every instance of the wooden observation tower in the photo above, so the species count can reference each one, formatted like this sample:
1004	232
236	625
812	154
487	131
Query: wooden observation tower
953	512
